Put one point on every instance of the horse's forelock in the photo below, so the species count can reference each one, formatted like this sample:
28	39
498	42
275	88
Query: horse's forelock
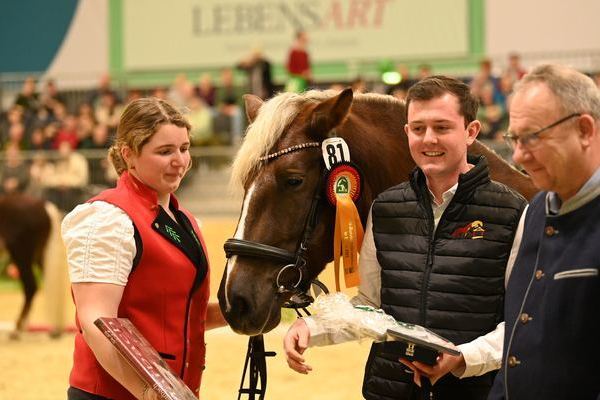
272	120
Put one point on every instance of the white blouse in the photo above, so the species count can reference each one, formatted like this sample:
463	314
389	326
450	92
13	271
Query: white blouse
100	244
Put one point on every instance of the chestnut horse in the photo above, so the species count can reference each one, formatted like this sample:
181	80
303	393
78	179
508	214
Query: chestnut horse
281	189
30	232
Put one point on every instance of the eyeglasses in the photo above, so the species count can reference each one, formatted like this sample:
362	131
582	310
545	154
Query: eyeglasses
532	139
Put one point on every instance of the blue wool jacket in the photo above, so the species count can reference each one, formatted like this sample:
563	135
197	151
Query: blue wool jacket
551	343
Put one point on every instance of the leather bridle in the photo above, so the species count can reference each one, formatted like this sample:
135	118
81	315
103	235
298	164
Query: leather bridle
293	261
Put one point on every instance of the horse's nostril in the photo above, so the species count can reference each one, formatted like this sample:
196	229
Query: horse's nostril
239	305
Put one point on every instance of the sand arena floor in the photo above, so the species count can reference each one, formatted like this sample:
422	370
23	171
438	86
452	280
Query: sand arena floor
37	367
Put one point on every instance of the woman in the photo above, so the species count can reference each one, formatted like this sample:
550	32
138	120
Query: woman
133	252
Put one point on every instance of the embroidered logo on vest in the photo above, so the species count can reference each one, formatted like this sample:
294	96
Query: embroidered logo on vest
473	230
173	234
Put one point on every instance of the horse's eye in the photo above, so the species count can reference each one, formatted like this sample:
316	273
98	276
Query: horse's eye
294	182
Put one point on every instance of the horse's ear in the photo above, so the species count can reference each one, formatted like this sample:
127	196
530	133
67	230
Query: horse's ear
252	103
331	113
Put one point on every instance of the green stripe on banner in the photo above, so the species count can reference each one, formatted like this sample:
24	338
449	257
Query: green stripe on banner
477	27
115	33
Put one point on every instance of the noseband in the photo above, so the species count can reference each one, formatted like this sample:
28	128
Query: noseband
293	261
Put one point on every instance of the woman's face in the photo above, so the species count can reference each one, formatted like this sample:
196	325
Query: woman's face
162	161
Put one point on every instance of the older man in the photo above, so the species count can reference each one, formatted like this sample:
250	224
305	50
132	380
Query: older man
551	348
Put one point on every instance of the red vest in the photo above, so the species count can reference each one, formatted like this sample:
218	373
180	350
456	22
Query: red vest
158	297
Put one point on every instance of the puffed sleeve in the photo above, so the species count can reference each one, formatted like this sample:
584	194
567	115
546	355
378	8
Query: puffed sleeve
100	244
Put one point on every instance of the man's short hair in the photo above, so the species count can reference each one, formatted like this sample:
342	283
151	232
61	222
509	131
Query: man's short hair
437	86
575	92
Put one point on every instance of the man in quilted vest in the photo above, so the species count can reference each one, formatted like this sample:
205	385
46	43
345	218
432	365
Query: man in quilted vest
435	253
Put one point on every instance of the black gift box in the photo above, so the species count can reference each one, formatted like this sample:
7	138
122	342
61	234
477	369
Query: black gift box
420	345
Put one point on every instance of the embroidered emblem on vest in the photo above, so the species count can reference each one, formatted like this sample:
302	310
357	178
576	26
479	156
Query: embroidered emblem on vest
473	230
173	234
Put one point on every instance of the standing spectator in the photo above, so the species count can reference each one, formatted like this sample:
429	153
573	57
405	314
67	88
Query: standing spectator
551	309
298	64
514	68
28	98
258	70
425	71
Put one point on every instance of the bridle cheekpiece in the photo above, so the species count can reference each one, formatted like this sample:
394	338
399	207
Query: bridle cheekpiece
294	261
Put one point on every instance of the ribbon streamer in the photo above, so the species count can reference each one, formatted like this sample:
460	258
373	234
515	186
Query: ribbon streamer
347	239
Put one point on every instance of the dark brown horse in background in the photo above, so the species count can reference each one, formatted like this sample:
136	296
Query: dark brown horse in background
279	192
29	231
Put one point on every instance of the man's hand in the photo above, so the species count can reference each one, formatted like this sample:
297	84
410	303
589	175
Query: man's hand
445	363
294	344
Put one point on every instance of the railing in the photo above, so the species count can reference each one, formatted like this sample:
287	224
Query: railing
584	60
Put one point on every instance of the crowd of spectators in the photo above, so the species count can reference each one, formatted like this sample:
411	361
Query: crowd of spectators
47	119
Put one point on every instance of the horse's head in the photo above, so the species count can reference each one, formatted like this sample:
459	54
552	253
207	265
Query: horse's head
280	167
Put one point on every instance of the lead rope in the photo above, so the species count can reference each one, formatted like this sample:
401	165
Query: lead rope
256	356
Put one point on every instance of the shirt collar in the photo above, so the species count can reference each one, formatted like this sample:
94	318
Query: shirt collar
589	191
446	196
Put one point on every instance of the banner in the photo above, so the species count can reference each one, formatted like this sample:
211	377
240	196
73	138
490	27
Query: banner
211	33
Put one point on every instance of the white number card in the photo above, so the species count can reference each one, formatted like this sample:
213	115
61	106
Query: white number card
335	150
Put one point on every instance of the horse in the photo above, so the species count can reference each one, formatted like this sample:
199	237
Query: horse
284	235
30	233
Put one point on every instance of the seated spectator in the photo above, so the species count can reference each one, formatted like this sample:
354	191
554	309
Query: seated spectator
206	90
65	180
201	119
228	93
14	174
36	140
15	115
180	92
67	133
50	96
359	85
16	135
109	111
229	98
103	87
484	78
85	130
49	136
492	115
100	168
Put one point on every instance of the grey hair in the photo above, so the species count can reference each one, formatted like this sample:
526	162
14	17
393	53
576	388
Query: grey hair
576	92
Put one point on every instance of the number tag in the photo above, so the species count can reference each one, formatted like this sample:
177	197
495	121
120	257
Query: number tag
335	150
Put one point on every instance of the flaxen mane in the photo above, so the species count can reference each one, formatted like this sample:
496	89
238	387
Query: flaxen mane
272	120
